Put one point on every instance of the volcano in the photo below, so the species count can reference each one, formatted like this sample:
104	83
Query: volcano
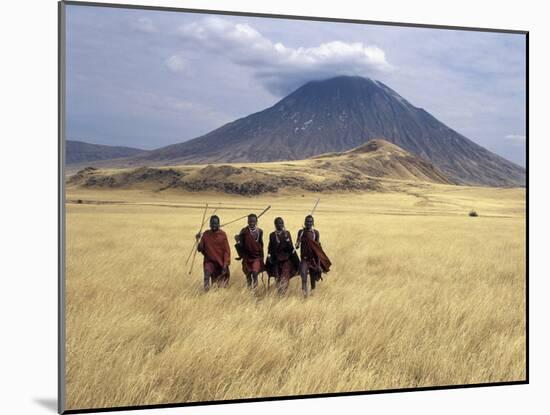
336	115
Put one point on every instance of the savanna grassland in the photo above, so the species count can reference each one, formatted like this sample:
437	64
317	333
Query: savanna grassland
420	294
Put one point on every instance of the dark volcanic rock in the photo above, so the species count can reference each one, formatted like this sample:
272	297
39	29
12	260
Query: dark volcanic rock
243	189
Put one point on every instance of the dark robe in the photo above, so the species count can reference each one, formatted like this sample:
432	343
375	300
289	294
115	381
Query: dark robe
311	252
252	250
215	248
284	262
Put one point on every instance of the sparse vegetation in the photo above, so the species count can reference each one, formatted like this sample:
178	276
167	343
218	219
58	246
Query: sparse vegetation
359	169
472	213
419	295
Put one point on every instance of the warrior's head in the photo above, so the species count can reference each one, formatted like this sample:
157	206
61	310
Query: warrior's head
252	220
279	224
214	223
308	222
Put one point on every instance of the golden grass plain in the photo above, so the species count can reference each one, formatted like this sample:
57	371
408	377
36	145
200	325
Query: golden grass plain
420	294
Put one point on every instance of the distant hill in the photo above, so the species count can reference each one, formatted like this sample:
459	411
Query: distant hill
335	115
81	152
380	158
367	167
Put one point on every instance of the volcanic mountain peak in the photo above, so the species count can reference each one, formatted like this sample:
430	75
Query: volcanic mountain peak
349	85
336	115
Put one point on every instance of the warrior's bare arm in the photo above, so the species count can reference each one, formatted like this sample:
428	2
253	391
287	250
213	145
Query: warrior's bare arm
270	247
240	238
261	241
298	238
227	254
290	240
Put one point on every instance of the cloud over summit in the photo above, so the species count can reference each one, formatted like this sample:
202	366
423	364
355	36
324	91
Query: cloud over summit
280	68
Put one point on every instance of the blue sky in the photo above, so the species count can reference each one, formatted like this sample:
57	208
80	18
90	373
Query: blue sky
147	79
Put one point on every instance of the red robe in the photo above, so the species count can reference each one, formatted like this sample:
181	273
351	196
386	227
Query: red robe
215	248
284	261
311	252
252	250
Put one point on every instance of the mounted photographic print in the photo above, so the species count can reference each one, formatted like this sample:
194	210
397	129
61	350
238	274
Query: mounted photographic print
258	207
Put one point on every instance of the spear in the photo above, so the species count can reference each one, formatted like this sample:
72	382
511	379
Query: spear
315	207
265	210
258	217
200	230
311	214
245	216
233	221
196	242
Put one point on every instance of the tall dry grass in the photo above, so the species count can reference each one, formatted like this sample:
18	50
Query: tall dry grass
423	296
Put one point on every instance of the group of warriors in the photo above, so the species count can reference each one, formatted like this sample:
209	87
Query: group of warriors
282	261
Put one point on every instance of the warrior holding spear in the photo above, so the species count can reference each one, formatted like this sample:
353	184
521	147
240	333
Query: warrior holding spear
282	260
313	259
250	247
214	246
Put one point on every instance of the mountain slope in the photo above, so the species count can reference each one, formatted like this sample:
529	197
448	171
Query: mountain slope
375	165
80	152
379	158
336	115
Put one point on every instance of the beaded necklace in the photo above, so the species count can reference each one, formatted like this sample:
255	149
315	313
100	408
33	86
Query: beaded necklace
277	233
255	233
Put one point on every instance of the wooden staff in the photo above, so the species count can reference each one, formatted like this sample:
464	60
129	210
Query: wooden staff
315	207
233	221
244	217
196	242
265	210
200	230
311	214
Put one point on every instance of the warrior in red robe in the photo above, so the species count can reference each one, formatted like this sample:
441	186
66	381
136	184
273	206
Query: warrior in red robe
214	246
313	259
250	247
282	261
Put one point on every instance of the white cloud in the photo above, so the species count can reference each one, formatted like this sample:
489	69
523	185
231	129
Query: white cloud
144	24
281	68
176	64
